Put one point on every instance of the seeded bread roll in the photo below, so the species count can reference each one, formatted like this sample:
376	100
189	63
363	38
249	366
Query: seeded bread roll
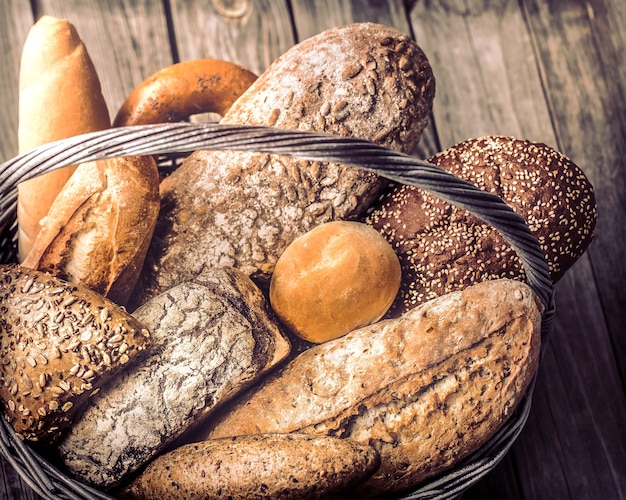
59	97
211	338
59	343
277	466
443	248
425	390
98	228
243	209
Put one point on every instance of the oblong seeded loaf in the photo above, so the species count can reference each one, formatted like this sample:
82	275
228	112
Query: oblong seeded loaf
276	466
243	209
425	390
211	338
443	248
60	343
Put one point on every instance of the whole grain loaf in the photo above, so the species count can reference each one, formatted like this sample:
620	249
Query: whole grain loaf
241	209
276	466
211	338
60	343
426	389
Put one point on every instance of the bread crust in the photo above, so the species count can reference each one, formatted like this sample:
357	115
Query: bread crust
211	339
59	97
443	248
99	227
59	344
425	389
277	466
243	209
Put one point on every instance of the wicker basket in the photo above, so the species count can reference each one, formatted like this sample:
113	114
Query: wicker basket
174	140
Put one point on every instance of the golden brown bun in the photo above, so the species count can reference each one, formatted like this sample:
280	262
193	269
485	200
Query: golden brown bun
443	248
59	97
425	389
99	227
61	342
175	93
276	466
337	277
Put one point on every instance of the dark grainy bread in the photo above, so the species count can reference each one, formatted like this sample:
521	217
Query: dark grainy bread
211	338
277	466
443	248
243	209
425	390
59	343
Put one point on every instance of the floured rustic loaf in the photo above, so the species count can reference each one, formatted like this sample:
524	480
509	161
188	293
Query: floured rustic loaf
425	389
243	209
211	338
59	343
443	248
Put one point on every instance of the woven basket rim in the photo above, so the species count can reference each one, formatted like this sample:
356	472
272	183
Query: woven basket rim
175	139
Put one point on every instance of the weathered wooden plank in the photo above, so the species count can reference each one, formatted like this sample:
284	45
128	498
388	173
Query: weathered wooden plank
249	33
16	20
127	40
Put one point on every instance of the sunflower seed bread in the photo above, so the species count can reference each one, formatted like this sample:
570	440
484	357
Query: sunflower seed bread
212	337
240	209
60	343
426	389
276	466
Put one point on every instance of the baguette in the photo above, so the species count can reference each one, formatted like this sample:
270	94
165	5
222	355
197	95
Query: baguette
243	209
59	97
426	389
98	228
277	466
211	338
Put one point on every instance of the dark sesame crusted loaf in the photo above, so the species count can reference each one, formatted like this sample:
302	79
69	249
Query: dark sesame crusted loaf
444	248
59	343
243	209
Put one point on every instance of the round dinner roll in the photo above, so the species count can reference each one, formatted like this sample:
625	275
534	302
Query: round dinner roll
339	276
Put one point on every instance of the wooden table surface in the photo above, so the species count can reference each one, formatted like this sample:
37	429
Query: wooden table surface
546	70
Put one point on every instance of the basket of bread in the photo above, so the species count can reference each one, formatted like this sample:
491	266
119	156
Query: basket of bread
285	303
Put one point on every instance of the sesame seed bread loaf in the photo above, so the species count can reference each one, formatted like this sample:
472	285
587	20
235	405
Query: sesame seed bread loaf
243	209
98	228
276	466
211	338
443	248
425	390
59	343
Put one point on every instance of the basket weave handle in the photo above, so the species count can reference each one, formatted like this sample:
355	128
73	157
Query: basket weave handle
186	137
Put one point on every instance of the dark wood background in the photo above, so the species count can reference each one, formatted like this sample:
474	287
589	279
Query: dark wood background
545	70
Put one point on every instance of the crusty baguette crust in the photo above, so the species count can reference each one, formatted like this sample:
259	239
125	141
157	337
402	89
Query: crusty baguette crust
243	209
425	389
98	229
59	97
276	466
